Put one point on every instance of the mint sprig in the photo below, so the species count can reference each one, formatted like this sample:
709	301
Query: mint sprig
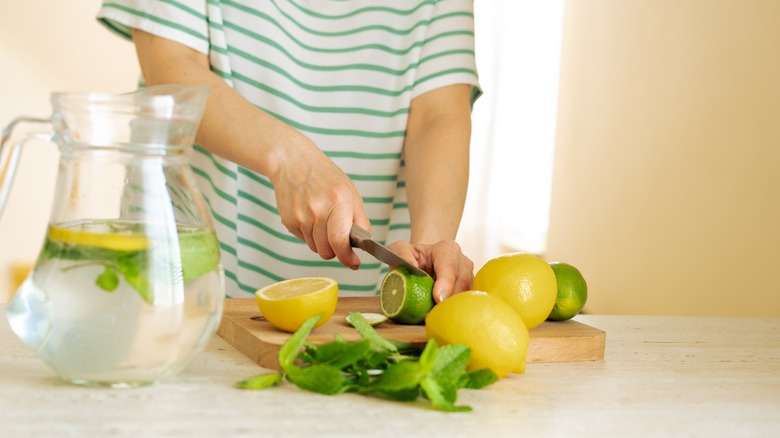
375	366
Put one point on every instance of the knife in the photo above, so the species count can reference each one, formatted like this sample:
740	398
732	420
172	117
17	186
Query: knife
360	238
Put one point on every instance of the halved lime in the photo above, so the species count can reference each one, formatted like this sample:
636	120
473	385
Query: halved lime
373	319
406	298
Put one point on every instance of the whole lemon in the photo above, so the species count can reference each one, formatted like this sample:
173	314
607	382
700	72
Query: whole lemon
524	281
493	331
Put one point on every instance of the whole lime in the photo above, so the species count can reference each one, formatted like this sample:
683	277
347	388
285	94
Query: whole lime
572	292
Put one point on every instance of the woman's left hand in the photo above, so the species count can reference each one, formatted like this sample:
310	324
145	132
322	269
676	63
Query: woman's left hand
452	271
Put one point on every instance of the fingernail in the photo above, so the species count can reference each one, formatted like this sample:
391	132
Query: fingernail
441	295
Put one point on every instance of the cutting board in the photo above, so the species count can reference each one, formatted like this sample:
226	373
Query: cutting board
246	329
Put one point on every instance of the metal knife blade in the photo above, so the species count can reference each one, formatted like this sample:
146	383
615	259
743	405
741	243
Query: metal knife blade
360	238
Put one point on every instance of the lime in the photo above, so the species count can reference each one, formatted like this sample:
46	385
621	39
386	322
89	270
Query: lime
288	304
572	292
406	298
494	332
373	319
524	281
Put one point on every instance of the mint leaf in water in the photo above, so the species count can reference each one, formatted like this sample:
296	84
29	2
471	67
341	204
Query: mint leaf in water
199	251
108	280
375	366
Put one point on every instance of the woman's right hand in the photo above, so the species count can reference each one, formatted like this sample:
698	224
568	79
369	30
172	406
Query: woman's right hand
318	202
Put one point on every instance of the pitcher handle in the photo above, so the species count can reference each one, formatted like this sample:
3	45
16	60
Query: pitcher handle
18	132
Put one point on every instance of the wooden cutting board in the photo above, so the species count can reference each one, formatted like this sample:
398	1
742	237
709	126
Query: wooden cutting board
245	328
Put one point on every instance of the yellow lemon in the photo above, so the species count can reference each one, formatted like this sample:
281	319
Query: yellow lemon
524	281
493	331
288	304
98	235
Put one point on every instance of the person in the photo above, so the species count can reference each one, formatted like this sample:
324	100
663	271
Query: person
322	114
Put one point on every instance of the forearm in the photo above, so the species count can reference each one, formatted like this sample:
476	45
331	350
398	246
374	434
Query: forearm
231	126
436	152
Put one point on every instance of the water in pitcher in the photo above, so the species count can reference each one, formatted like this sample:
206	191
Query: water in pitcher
120	303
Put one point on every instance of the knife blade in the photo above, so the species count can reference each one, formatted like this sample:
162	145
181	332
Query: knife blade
360	238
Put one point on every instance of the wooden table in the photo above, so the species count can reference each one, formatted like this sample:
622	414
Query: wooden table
662	376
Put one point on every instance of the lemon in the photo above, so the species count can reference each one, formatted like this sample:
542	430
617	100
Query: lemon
406	298
98	235
494	332
572	292
524	281
288	304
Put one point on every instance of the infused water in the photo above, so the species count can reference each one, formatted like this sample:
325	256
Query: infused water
120	303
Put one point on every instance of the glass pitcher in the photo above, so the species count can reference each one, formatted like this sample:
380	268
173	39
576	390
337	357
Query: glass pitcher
128	285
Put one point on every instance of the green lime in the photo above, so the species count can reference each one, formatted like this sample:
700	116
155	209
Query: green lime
373	319
572	292
406	298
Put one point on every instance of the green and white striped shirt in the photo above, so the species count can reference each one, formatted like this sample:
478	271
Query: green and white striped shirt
343	72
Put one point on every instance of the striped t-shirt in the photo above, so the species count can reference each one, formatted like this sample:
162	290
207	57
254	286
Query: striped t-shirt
342	72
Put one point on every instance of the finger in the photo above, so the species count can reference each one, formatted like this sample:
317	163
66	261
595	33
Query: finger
302	230
320	234
339	226
454	271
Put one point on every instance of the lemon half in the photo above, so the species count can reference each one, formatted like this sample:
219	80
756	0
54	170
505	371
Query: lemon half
289	303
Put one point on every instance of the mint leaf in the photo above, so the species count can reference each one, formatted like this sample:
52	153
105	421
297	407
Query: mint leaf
441	394
108	280
290	349
261	381
428	356
398	376
199	253
339	354
324	379
362	326
132	266
375	366
478	379
450	362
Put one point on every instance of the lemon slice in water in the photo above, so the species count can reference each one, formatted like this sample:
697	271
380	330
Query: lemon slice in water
108	240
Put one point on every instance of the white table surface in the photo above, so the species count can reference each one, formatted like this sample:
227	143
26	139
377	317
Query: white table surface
662	376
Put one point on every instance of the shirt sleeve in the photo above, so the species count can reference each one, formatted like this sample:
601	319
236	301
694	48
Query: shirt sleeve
447	56
183	21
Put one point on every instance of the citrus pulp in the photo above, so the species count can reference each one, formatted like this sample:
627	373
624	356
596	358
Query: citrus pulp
288	304
406	298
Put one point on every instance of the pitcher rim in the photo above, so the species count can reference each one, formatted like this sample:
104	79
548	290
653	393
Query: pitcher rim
166	101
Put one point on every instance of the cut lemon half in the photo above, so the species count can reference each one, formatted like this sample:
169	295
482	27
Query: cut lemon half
406	298
97	239
289	303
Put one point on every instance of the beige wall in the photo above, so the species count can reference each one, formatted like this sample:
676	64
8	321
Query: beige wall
666	187
63	49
